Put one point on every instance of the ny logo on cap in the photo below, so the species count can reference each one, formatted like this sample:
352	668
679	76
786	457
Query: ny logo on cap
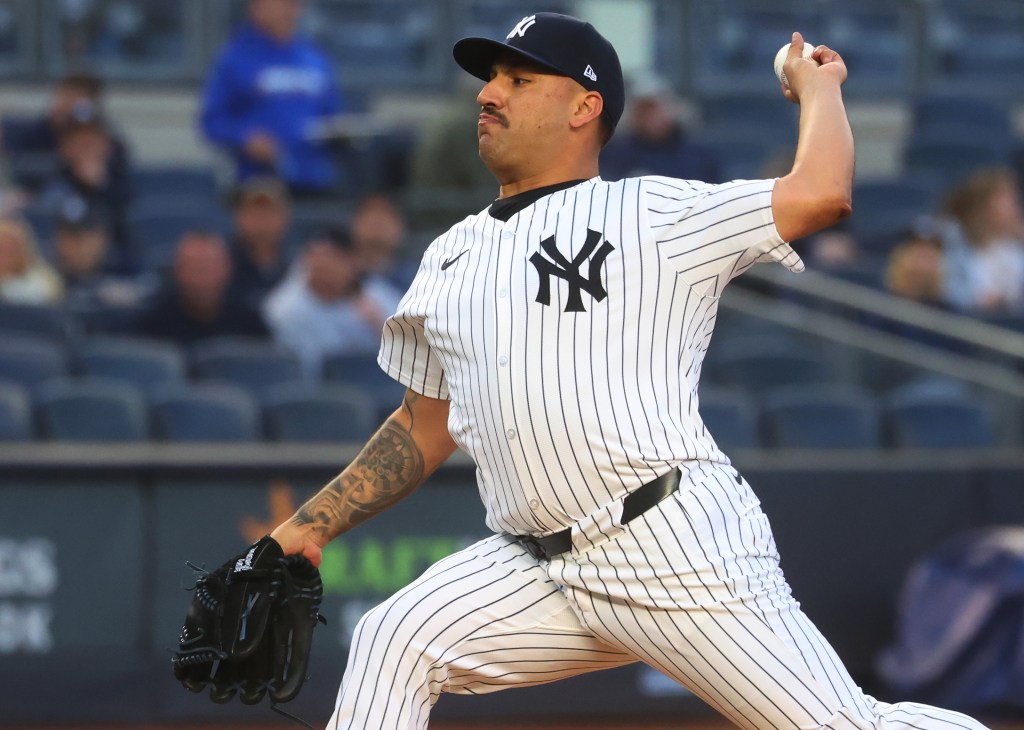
522	27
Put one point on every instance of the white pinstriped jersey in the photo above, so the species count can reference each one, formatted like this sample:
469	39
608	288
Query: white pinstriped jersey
570	338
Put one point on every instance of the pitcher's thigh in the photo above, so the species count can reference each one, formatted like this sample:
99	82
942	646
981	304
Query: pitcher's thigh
483	619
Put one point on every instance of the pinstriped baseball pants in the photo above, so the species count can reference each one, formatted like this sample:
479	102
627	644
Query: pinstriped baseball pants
692	588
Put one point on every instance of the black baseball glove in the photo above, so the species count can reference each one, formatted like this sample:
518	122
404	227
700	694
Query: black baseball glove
249	626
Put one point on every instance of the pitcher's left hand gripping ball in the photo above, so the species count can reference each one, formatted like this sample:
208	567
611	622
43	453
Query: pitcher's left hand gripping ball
249	627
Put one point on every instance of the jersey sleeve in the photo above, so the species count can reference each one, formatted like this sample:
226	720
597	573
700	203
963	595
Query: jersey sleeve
713	233
404	353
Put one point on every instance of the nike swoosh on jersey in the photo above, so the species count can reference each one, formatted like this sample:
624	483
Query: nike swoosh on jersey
449	262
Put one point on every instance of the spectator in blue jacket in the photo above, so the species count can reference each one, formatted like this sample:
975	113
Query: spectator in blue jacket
265	96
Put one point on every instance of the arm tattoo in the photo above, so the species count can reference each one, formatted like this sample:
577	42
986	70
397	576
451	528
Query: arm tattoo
388	468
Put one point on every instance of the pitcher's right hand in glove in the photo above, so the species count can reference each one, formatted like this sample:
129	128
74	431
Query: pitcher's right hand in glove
249	627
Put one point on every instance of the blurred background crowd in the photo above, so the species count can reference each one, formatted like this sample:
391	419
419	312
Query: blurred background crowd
328	141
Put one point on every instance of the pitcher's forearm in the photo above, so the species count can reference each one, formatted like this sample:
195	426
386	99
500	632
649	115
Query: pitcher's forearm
410	445
824	155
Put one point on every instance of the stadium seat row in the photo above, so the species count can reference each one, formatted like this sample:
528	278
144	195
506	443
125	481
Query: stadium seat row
99	410
255	366
831	417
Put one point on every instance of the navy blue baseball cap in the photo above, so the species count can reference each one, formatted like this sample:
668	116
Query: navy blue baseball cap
567	46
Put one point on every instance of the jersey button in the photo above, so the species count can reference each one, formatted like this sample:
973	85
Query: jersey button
507	234
502	293
503	360
534	504
511	433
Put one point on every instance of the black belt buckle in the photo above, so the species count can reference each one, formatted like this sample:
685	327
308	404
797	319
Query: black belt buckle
533	546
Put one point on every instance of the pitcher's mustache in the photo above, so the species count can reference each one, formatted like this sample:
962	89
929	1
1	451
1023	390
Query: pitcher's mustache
490	110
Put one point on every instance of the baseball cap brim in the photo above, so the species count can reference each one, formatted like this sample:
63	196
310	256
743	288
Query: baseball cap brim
477	56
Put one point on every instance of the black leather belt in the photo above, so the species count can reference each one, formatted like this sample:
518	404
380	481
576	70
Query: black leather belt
633	505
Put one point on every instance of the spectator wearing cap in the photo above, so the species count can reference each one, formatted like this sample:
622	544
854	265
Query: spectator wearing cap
92	281
265	95
25	278
194	303
262	214
86	172
655	141
76	96
328	305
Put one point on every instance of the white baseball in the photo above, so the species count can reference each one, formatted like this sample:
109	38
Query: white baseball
780	59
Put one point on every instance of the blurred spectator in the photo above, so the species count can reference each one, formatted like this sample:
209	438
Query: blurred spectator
85	152
985	243
655	141
834	249
917	270
25	278
83	260
378	234
194	303
327	305
262	213
75	97
265	95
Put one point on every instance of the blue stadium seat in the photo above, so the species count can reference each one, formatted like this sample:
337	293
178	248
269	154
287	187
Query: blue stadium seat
363	372
995	60
939	133
766	118
205	412
15	413
950	161
324	414
31	361
823	417
731	419
92	410
199	207
965	112
770	365
145	364
936	421
156	235
741	151
38	320
884	210
247	363
173	180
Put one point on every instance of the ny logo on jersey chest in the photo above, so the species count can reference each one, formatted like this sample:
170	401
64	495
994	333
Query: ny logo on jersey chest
569	271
